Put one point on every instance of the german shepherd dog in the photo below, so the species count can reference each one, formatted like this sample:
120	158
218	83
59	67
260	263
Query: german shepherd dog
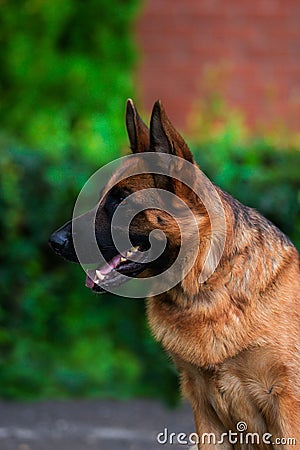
235	338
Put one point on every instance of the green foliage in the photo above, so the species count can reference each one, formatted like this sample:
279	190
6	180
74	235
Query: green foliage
258	166
57	339
260	172
66	71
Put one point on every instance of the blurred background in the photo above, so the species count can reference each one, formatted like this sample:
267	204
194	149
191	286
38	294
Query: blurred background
229	76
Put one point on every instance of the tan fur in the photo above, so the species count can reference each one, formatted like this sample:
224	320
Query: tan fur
235	339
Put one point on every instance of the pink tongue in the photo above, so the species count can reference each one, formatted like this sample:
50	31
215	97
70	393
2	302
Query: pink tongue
113	263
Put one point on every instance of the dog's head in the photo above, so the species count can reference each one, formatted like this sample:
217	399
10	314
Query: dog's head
137	258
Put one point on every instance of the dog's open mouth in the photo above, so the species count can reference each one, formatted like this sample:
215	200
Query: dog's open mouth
117	271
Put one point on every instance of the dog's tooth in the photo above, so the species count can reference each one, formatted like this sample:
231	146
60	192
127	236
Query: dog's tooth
129	253
100	275
135	249
122	259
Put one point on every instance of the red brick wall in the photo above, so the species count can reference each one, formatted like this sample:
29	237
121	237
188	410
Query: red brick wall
256	43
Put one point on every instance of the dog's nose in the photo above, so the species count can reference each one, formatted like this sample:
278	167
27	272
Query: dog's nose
61	242
58	240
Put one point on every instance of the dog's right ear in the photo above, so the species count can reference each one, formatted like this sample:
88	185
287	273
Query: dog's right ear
164	137
138	132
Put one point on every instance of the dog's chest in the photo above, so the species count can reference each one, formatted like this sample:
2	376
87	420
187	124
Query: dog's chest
231	402
231	393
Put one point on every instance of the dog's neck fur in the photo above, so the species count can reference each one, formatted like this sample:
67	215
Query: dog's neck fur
211	315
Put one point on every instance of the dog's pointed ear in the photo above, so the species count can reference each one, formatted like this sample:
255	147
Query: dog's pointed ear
164	137
138	132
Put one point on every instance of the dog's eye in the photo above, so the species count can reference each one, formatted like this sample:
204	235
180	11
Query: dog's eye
122	198
114	201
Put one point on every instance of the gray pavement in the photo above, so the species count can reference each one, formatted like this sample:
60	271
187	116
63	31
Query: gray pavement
92	425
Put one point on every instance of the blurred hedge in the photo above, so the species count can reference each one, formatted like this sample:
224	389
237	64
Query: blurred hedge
260	176
66	71
261	169
57	339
